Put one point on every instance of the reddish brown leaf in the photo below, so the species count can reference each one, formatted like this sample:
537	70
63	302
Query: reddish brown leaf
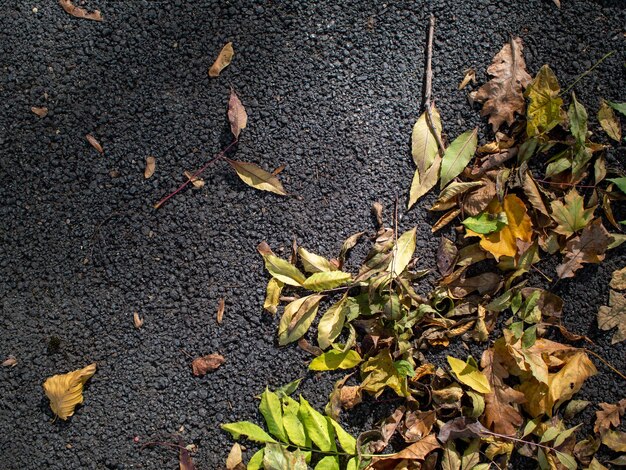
41	112
204	364
220	310
79	12
237	115
609	416
223	60
94	143
588	248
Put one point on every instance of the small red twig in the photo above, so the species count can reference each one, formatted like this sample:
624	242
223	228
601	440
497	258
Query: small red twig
218	156
556	183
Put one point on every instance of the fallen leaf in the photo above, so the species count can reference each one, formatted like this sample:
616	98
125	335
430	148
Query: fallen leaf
220	310
10	361
569	379
467	373
416	451
314	263
94	143
196	181
615	440
503	95
201	365
614	316
425	152
308	347
609	122
578	120
461	427
609	416
447	254
477	200
457	156
79	12
571	215
544	110
470	76
557	3
533	194
234	460
297	318
333	360
43	111
258	178
445	219
618	279
150	167
281	269
137	320
331	323
223	60
237	116
184	458
65	391
326	280
619	107
589	247
418	424
403	251
379	372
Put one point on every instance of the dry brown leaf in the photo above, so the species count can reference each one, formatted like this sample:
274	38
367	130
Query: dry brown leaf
445	220
503	95
65	391
609	416
196	181
79	12
137	320
41	112
308	347
418	424
350	396
237	115
94	143
204	364
377	212
150	167
618	279
234	460
221	304
557	3
614	316
416	451
184	458
470	76
223	60
10	361
588	248
477	200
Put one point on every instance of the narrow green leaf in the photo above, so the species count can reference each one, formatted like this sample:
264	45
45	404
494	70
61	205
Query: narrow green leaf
334	359
283	270
619	182
256	461
567	460
331	323
346	441
255	176
326	280
291	421
271	410
297	318
316	427
314	263
247	429
619	107
457	156
578	120
405	247
288	389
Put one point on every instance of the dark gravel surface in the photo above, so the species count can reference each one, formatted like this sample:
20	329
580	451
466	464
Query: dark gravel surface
332	90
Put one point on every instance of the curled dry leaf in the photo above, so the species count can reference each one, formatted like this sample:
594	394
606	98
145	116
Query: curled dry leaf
223	60
204	364
237	115
470	76
65	391
137	320
150	167
43	111
196	181
94	143
220	310
10	361
79	12
234	460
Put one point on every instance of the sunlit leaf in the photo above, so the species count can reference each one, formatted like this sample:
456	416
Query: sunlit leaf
271	410
609	122
468	373
65	391
544	110
237	115
334	359
331	323
319	430
223	60
247	429
297	318
403	253
283	270
326	280
457	156
272	296
314	263
614	316
486	223
257	177
571	215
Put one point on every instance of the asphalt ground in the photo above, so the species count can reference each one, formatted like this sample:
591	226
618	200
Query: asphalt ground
332	90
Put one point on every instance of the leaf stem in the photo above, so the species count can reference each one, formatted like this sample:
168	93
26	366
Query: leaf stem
587	72
428	86
218	156
605	362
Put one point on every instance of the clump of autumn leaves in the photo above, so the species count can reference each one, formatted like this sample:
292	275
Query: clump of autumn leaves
517	200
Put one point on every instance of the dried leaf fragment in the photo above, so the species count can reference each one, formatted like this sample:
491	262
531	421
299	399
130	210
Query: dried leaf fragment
201	365
503	95
65	391
223	60
234	460
94	143
470	76
150	167
137	320
237	115
43	111
609	122
196	181
10	361
589	247
80	12
614	316
220	310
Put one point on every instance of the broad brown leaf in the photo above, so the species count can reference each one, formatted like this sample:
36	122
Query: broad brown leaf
503	95
223	60
204	364
614	316
237	115
588	248
609	416
416	451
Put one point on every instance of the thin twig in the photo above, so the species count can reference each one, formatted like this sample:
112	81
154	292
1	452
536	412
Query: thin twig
428	87
587	72
190	179
605	362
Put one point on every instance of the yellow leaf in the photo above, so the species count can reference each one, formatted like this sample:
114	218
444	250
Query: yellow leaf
272	297
544	110
223	60
314	263
283	270
568	381
519	227
468	373
334	359
255	176
326	280
65	391
404	249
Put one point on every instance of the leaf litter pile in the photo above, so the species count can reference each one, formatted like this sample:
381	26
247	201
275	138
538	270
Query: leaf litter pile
539	189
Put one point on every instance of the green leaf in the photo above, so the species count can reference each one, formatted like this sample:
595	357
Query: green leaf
567	460
619	182
544	110
619	107
331	323
283	270
257	177
468	374
346	441
291	421
609	122
560	439
330	462
486	223
288	389
256	461
326	280
404	368
334	359
248	429
271	410
379	372
352	465
297	318
316	427
571	216
457	156
405	247
578	120
314	263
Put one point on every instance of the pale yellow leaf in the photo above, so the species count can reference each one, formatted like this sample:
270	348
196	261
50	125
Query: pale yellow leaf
150	167
468	373
258	178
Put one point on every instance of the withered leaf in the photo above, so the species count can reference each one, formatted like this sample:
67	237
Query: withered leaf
571	215
609	122
137	320
533	194
618	279
477	201
589	247
79	12
614	316
150	167
201	365
258	178
196	181
609	416
43	111
184	458
446	256
237	115
10	361
503	95
223	60
445	220
416	451
234	460
461	427
470	76
220	310
418	424
94	143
